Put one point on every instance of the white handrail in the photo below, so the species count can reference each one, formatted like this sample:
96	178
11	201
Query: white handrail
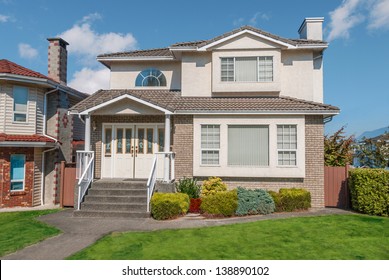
85	167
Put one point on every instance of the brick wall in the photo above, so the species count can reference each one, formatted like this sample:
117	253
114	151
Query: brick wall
182	142
16	198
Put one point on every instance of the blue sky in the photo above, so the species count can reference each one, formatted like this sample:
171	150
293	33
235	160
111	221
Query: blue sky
356	72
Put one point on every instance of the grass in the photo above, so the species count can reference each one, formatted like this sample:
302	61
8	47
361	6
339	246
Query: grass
350	237
20	229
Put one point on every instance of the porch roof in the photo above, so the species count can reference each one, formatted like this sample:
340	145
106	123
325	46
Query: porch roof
172	101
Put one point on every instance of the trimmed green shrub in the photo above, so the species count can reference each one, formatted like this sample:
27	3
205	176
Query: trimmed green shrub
169	205
288	200
212	186
188	186
221	203
255	201
369	190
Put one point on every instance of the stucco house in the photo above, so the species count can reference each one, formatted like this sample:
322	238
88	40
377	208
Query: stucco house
36	133
246	106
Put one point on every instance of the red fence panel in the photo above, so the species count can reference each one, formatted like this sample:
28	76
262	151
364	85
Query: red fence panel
336	191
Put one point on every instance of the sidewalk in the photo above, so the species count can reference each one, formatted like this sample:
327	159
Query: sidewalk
79	233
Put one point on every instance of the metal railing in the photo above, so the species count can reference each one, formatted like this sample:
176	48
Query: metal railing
84	173
153	177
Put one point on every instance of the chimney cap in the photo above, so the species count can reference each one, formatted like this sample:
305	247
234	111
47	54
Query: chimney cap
310	19
61	41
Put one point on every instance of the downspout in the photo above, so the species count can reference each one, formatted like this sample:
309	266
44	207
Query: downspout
48	136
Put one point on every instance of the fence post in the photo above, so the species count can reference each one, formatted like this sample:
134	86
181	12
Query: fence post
346	169
62	184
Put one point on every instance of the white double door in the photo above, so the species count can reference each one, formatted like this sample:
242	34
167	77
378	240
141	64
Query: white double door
128	150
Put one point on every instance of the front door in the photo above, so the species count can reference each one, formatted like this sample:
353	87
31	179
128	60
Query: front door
128	150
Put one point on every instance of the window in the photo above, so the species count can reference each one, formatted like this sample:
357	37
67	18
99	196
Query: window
210	144
248	145
20	95
247	69
17	172
287	144
150	78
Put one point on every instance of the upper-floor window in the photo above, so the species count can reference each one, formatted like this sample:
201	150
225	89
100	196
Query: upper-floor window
150	77
247	69
20	95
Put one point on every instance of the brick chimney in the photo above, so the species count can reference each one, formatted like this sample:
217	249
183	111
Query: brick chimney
57	60
312	29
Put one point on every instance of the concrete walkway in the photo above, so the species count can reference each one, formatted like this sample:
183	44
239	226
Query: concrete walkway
79	233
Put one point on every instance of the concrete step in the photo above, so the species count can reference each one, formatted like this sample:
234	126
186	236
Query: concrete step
125	207
119	185
116	199
117	192
110	214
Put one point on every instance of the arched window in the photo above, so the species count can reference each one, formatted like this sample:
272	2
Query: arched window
150	77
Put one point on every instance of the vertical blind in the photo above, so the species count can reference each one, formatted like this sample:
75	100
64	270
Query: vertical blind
246	69
248	145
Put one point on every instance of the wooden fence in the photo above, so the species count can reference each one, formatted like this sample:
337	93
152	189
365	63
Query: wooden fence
68	181
336	191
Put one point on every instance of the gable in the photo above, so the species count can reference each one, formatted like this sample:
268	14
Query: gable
128	107
247	41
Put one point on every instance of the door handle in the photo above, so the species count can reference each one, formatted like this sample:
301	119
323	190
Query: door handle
136	151
132	151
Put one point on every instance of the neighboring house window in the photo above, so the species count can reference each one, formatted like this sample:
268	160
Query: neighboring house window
287	144
210	144
150	78
17	172
20	95
248	145
247	69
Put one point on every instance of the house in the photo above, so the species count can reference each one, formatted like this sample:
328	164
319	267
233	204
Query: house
36	133
246	106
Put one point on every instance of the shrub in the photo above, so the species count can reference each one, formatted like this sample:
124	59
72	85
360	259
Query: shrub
221	203
169	205
194	206
288	200
188	186
212	186
254	202
369	190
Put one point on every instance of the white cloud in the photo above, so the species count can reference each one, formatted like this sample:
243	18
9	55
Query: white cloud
379	15
259	15
89	80
238	22
4	18
86	42
343	18
26	51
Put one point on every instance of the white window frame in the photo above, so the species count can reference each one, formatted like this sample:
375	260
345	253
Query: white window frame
20	180
209	149
258	69
290	150
19	112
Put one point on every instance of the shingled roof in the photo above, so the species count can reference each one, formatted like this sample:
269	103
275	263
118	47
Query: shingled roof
9	67
172	101
166	52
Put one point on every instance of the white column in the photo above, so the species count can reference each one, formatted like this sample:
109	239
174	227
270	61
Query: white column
166	176
87	133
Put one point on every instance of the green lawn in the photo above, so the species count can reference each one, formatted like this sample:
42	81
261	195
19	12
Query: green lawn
20	229
325	237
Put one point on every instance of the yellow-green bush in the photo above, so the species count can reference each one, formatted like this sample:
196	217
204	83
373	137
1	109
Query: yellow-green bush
369	190
220	203
212	186
288	200
169	205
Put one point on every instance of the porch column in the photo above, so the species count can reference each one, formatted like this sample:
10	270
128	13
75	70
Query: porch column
87	132
166	176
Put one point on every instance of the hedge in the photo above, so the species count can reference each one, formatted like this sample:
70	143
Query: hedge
220	203
288	200
255	201
369	189
169	205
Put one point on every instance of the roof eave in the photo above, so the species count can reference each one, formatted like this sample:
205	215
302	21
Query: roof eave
26	144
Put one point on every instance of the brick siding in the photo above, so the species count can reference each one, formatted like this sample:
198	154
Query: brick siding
16	198
182	142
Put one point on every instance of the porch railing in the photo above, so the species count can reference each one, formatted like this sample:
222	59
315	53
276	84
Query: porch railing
153	177
84	173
